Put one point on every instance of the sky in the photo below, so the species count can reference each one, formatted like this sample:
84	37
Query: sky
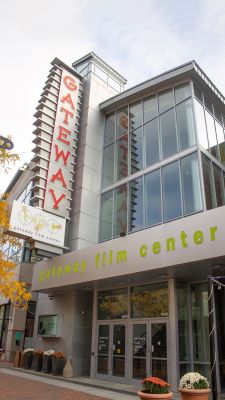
138	38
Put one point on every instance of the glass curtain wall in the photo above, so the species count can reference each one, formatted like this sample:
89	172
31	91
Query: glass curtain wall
193	329
167	193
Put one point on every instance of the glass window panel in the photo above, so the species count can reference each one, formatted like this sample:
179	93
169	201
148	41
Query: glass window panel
166	100
108	166
220	139
198	93
208	104
119	336
201	126
120	210
211	134
109	128
122	122
182	92
209	187
218	115
220	324
185	124
149	301
136	210
150	108
122	157
113	304
136	150
151	136
171	191
219	185
191	184
106	216
183	324
200	322
135	114
168	133
139	350
103	349
153	210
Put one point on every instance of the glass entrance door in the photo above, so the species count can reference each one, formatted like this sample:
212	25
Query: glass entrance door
149	350
111	351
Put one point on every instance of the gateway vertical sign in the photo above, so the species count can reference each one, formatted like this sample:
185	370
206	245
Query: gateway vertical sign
56	137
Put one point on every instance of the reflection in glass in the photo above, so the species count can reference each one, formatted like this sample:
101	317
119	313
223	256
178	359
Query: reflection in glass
183	325
139	351
118	350
191	184
122	157
153	198
151	136
106	216
200	324
109	128
166	100
159	368
220	322
135	114
159	340
136	150
185	125
182	92
150	108
171	191
220	139
108	166
122	122
210	195
113	304
219	185
201	126
168	133
103	349
149	301
136	205
120	210
211	134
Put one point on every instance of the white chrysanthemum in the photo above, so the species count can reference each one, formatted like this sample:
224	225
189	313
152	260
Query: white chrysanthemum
49	352
26	350
189	380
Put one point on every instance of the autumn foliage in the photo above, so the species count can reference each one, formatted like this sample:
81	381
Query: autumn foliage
10	288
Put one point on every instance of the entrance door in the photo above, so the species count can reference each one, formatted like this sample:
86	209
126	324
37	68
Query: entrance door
111	351
149	350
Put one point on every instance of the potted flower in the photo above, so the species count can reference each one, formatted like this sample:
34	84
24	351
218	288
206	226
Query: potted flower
27	358
58	363
155	388
193	384
47	361
37	360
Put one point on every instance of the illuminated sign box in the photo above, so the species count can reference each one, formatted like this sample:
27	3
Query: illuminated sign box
30	222
48	325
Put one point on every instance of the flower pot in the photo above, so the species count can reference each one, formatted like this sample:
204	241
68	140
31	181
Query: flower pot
57	365
194	394
143	395
37	362
47	364
27	360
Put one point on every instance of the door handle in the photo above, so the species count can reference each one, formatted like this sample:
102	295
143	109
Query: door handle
152	349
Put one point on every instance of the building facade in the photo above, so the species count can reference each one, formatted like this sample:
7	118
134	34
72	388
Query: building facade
127	294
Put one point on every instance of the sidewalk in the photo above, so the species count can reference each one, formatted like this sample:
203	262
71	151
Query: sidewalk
28	385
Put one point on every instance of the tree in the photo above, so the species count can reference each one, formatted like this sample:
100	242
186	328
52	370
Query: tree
10	288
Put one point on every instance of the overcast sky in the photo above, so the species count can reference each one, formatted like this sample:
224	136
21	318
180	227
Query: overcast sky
138	38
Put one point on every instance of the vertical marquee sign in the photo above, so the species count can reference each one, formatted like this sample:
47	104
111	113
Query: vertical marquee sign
56	137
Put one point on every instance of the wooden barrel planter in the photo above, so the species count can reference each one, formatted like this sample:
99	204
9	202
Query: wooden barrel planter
47	364
58	363
27	359
37	360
